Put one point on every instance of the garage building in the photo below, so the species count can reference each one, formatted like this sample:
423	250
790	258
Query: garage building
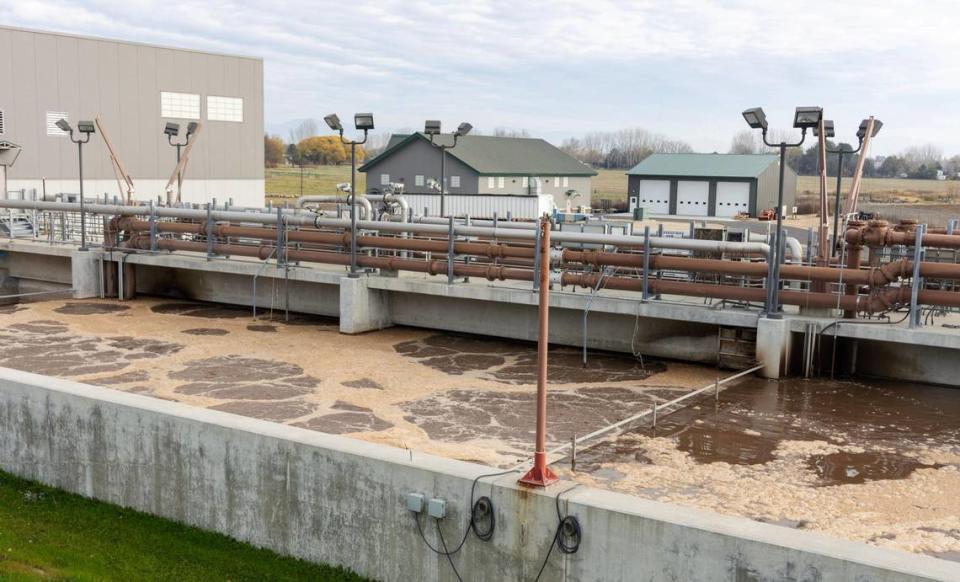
721	185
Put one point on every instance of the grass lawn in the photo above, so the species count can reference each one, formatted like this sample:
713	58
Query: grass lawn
48	534
888	189
284	183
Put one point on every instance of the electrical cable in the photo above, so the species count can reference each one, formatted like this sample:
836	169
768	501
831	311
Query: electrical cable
445	551
568	528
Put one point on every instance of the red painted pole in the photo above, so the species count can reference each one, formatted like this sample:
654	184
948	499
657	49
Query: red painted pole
541	475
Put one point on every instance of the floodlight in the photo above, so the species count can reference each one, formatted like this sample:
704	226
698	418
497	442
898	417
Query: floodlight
433	184
172	129
756	118
432	127
192	128
464	129
64	126
827	129
807	117
363	121
86	127
862	132
333	122
344	187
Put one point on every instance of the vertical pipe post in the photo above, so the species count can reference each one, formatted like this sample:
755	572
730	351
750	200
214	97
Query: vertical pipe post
443	180
768	282
773	290
153	228
836	205
281	243
209	231
646	262
540	474
536	258
915	320
809	257
450	254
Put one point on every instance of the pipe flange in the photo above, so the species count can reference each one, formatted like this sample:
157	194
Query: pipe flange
556	257
556	278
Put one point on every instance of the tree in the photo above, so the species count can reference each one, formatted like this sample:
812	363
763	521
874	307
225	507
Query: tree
327	150
273	150
293	154
747	142
307	128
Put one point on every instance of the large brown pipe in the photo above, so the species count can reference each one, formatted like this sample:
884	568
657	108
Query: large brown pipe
883	236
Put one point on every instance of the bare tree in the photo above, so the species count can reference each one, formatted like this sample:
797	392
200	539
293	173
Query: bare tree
747	142
621	149
306	128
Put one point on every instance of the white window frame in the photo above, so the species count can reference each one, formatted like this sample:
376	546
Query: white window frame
174	105
384	179
221	108
566	182
501	182
419	180
3	125
52	118
491	182
556	181
525	182
454	181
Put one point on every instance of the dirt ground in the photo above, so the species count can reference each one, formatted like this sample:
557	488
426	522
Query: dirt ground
871	462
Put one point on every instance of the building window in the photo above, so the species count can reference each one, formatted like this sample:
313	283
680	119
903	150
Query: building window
418	180
500	182
525	182
2	130
224	108
566	182
384	179
179	105
491	182
52	118
454	181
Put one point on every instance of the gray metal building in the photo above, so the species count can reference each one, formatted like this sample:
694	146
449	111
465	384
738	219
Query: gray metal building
721	185
135	89
484	165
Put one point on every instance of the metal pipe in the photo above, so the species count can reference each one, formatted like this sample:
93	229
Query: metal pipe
794	248
540	474
367	208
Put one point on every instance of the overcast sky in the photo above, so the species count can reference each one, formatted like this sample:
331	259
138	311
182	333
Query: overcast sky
558	68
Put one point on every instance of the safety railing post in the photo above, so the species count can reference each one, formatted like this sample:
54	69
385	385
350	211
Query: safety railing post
153	228
918	254
281	236
209	231
646	263
451	257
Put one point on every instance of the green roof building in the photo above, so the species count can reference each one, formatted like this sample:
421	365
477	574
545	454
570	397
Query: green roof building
720	185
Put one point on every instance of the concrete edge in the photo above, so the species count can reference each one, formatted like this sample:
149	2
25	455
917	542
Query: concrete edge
738	527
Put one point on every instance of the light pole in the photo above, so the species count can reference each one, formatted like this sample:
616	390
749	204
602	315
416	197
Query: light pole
861	133
86	128
363	122
432	128
172	130
803	118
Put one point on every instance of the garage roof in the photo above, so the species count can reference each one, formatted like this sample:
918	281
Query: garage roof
510	156
704	165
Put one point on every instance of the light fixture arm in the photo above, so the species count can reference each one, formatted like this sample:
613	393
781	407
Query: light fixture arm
843	151
803	136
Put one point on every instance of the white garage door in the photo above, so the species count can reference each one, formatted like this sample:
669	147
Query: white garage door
693	198
732	198
655	196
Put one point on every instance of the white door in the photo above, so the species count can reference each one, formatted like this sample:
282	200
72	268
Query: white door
654	196
732	198
693	198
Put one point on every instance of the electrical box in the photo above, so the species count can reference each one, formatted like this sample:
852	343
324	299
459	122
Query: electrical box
437	508
415	502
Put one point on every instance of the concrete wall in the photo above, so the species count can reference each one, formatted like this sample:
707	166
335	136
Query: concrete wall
121	82
337	500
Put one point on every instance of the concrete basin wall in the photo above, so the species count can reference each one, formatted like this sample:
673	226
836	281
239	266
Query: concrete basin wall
341	501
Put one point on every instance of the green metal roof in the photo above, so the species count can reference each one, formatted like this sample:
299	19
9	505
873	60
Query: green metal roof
491	155
712	165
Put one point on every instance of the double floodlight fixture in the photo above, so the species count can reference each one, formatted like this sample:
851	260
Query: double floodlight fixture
432	127
807	117
862	132
756	118
828	130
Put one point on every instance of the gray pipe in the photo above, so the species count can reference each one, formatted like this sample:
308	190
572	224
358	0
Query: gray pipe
294	217
393	198
361	201
794	249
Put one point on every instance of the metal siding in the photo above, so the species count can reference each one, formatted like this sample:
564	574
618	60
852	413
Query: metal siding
421	158
121	82
481	206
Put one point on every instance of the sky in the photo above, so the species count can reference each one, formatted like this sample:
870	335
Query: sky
559	68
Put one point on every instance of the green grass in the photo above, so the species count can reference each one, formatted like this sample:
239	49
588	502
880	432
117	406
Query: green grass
48	534
284	183
889	189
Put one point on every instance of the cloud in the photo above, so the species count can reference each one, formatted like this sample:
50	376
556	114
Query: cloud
525	64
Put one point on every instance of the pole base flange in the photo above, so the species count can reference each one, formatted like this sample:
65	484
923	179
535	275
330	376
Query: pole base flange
540	475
